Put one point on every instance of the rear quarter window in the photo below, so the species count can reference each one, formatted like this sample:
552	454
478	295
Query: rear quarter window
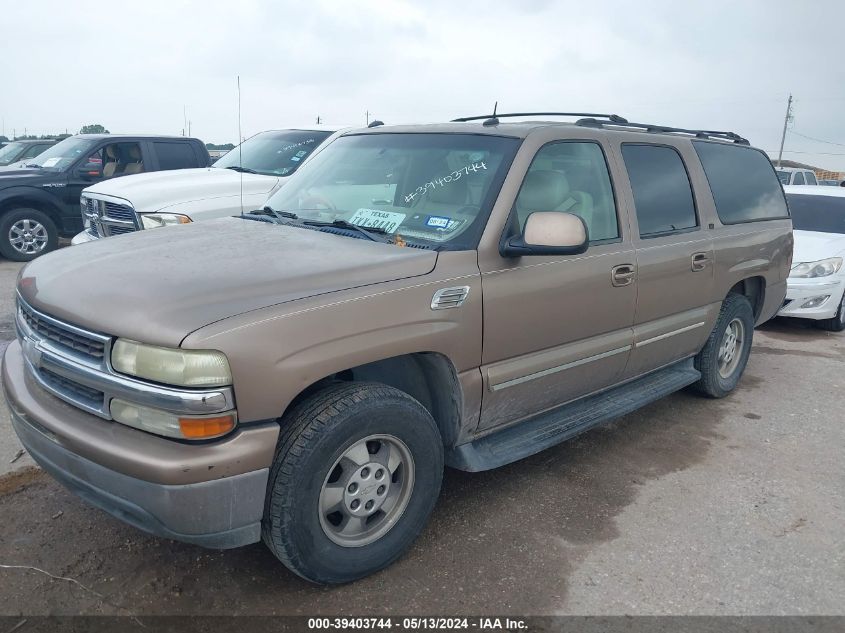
175	155
743	182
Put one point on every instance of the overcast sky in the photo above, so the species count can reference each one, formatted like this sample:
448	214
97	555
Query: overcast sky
715	64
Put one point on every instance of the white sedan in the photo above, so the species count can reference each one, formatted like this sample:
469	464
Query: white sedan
816	285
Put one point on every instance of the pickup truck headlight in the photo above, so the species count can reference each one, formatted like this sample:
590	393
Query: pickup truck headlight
821	268
155	220
182	367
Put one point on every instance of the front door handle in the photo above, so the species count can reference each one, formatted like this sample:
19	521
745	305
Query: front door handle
699	261
623	275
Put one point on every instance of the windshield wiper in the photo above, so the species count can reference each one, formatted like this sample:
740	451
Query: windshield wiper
243	170
279	215
369	232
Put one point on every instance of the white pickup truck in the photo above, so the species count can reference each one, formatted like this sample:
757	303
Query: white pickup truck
242	179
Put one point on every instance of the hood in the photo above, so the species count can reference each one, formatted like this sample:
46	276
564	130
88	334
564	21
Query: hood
811	246
25	175
159	190
159	286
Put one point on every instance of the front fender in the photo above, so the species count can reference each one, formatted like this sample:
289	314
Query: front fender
275	353
35	194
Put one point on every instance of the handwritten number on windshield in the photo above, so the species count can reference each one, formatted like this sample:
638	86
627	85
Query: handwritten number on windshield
444	180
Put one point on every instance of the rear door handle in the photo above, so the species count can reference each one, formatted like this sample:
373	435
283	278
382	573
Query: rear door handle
700	261
623	275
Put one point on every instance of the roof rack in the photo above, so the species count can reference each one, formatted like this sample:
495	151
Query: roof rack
493	119
663	129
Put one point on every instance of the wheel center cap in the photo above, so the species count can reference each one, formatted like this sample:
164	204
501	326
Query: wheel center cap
366	489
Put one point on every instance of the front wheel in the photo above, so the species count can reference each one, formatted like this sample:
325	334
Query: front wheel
26	233
837	323
725	354
355	477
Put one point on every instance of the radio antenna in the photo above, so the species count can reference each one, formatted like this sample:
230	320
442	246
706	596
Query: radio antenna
240	149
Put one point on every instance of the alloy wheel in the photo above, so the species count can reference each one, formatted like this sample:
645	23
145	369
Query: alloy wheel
28	236
366	490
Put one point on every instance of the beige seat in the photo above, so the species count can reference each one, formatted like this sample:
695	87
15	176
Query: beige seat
136	165
548	190
111	163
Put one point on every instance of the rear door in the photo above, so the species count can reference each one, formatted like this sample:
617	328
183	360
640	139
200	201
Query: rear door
674	257
558	327
174	154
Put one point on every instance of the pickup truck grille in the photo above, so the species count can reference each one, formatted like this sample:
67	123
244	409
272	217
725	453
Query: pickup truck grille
71	339
105	218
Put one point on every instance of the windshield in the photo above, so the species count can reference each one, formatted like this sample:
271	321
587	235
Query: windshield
63	154
783	176
273	153
825	214
10	152
434	188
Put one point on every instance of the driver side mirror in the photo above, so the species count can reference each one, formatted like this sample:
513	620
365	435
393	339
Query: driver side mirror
89	171
549	233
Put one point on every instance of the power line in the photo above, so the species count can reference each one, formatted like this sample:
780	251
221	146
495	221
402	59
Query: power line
792	151
818	140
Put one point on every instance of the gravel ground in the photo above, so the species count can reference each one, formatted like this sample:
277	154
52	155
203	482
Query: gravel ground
688	506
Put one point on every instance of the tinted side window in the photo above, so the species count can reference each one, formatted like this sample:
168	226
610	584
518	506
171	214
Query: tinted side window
662	192
811	178
798	178
571	177
743	183
174	155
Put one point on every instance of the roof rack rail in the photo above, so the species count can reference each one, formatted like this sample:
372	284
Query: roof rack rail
663	129
493	119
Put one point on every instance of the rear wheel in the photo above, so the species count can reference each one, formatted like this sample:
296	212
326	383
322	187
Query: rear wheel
725	354
837	323
26	233
356	475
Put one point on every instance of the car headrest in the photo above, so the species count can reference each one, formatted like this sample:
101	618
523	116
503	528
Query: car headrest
543	190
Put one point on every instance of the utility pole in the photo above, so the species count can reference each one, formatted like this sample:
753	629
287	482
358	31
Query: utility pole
786	121
367	114
318	119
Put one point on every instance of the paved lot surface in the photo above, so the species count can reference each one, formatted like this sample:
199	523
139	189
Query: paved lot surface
690	505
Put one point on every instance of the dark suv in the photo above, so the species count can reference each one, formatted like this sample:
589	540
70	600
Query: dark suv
40	203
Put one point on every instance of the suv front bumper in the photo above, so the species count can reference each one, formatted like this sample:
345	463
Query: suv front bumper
207	494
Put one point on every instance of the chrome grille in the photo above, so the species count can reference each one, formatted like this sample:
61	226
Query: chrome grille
91	397
61	335
104	218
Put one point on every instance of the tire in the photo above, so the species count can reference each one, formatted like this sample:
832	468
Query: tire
313	459
26	233
719	376
837	323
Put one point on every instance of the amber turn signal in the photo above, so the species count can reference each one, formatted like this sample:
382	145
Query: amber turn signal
198	428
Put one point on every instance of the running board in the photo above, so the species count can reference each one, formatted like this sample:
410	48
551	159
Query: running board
553	427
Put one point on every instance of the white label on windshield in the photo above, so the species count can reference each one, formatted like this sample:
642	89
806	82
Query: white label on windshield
389	221
51	161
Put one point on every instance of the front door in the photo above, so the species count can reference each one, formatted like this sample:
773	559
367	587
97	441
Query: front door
557	328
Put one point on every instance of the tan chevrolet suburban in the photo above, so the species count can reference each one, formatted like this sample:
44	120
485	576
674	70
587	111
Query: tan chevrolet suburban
465	294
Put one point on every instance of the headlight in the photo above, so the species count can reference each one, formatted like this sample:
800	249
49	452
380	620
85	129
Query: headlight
155	220
182	367
170	424
822	268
